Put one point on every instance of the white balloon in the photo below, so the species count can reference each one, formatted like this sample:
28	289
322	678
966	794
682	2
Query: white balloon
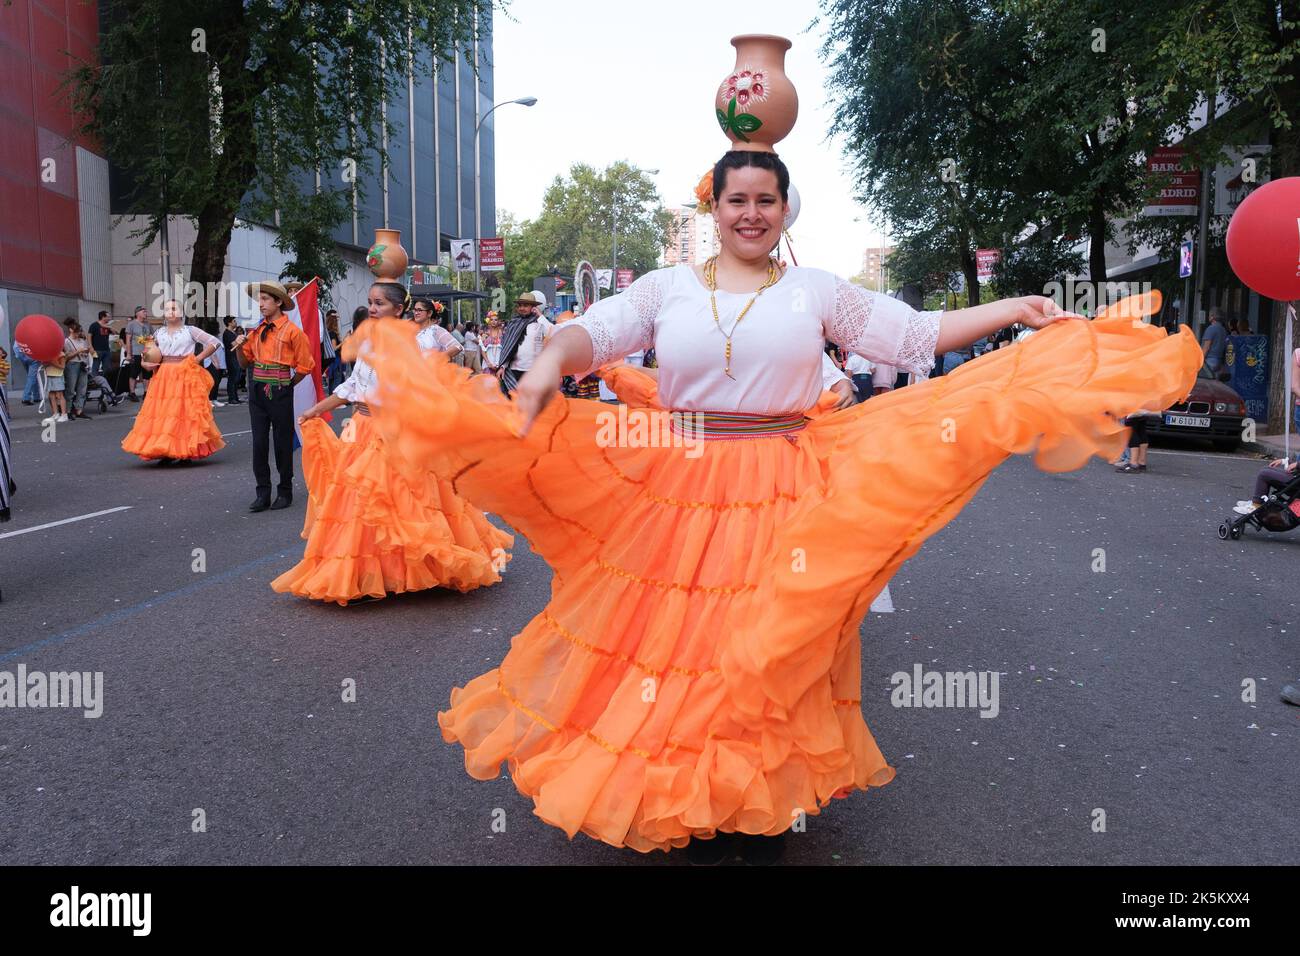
793	214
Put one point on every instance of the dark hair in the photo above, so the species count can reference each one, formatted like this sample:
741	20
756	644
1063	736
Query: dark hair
427	303
69	322
359	315
102	313
739	159
395	293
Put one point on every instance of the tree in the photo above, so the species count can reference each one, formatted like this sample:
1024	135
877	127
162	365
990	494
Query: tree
1249	52
210	107
577	222
918	88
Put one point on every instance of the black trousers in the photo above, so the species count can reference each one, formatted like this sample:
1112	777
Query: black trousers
272	420
234	376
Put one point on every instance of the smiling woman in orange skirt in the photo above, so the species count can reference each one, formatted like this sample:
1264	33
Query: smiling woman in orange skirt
696	672
373	529
175	423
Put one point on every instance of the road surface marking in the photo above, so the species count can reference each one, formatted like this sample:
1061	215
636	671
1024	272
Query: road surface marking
122	613
55	524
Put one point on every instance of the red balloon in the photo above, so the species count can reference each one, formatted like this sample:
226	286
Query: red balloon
40	337
1264	239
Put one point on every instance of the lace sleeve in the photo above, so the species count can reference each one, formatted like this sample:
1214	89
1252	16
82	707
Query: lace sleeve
200	337
625	323
883	329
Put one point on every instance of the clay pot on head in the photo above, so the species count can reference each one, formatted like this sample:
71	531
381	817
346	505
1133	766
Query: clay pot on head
386	258
756	105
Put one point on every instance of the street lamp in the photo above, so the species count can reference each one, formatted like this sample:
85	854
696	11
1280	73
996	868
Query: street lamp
478	191
613	277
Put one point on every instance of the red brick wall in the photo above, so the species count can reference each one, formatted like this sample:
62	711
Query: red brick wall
40	241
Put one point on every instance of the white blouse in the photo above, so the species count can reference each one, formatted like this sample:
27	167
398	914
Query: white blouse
360	385
777	349
831	373
181	340
435	338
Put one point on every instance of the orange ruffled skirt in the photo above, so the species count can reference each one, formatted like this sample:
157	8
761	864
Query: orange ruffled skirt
372	530
697	668
175	420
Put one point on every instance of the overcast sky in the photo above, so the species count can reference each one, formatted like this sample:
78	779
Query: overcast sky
636	82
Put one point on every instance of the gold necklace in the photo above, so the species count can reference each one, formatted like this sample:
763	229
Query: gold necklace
711	280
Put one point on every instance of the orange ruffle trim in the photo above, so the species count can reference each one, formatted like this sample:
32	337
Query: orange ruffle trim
175	420
697	667
371	532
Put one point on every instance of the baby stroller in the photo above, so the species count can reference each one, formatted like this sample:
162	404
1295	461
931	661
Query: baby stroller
1279	513
99	390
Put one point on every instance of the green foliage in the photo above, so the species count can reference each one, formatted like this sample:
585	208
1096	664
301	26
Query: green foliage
233	106
1046	111
577	222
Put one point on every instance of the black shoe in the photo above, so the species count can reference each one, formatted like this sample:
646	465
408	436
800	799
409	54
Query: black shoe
130	397
709	852
25	402
166	462
762	850
235	402
89	418
261	504
282	500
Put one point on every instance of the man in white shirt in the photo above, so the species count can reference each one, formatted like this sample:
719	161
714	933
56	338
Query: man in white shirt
869	378
522	341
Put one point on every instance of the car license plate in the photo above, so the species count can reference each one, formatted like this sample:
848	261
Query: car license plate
1194	421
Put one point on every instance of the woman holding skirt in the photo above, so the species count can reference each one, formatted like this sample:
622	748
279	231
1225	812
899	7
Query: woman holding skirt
372	528
696	672
175	423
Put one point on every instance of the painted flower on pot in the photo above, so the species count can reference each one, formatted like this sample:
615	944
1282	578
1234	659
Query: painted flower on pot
375	257
744	86
740	89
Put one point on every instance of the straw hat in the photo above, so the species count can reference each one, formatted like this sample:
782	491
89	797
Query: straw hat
272	288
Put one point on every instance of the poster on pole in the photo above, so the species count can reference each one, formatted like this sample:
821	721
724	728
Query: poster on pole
1185	260
605	277
1181	194
625	277
986	260
492	255
462	255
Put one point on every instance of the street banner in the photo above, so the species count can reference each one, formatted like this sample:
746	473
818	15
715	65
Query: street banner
625	277
306	315
492	255
1179	197
1247	362
462	255
1246	169
986	260
1185	260
604	277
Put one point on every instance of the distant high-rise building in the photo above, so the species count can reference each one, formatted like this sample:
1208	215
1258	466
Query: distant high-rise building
875	267
683	238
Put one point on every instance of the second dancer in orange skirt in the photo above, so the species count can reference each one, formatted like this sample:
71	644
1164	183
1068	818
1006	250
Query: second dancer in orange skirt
175	423
373	529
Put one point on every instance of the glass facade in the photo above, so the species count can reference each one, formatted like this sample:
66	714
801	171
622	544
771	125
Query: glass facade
431	157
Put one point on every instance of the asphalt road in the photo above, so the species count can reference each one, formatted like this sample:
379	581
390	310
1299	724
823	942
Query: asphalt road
1120	690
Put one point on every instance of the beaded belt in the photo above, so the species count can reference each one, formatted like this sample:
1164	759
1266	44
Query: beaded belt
272	374
170	359
360	408
708	426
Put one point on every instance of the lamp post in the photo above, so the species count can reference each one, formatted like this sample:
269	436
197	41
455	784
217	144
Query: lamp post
613	277
478	191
